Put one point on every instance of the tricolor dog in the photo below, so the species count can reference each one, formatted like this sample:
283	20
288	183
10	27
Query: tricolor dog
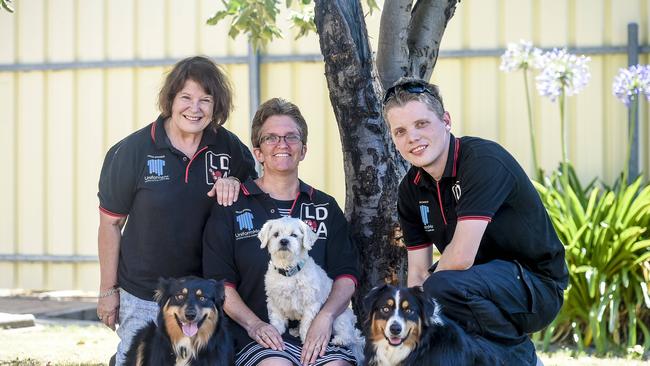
405	327
296	287
191	327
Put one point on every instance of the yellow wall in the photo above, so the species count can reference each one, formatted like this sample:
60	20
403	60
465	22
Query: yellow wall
57	125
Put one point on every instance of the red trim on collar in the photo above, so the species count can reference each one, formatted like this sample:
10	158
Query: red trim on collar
294	203
418	176
187	169
481	218
109	213
230	284
442	212
421	246
153	131
311	193
456	150
244	190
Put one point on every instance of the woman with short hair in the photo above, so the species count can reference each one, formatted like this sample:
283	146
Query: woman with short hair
231	248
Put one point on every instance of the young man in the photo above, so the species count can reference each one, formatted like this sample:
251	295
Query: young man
502	272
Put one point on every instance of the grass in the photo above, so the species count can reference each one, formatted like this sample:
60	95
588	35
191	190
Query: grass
73	343
88	343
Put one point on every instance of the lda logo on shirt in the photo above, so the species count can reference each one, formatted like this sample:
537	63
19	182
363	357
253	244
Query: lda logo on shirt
156	169
216	166
315	216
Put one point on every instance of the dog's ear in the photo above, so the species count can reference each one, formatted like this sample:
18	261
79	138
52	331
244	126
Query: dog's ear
264	233
161	295
371	297
429	306
219	291
309	237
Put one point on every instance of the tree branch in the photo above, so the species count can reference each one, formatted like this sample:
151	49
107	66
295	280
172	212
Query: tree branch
392	50
428	23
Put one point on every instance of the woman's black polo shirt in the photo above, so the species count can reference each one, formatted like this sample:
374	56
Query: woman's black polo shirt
164	194
482	181
231	249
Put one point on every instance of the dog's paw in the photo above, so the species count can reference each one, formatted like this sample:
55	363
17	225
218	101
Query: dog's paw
294	332
339	341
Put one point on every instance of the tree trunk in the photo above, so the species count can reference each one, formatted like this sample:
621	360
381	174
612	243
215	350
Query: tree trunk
372	166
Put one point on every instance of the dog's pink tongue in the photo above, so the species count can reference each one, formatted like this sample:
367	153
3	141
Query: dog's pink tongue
395	340
190	329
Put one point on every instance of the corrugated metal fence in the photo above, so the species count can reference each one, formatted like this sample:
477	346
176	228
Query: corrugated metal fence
78	75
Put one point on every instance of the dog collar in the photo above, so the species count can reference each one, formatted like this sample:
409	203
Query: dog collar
290	271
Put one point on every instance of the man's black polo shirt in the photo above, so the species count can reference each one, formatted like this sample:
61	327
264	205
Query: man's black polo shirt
164	195
231	249
482	181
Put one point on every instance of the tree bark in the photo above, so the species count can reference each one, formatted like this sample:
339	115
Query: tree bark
428	22
372	166
392	49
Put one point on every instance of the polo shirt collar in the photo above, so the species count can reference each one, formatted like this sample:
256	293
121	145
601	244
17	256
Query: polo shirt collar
451	167
161	141
250	188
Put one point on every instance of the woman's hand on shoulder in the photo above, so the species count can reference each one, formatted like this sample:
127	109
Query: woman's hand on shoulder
266	335
225	190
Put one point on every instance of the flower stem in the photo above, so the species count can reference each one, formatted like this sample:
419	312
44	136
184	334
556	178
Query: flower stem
634	105
565	160
538	171
563	127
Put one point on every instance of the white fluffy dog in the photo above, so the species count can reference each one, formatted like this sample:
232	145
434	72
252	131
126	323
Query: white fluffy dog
296	287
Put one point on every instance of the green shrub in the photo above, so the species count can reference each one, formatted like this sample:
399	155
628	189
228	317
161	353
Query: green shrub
607	239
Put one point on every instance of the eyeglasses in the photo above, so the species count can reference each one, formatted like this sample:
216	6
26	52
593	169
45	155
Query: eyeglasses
290	139
411	87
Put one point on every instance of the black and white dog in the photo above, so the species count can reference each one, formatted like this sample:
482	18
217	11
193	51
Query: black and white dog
405	327
191	327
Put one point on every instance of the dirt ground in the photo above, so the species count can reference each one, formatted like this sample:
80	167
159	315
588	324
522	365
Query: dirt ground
88	343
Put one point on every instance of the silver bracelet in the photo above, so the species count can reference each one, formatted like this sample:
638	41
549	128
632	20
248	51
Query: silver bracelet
110	292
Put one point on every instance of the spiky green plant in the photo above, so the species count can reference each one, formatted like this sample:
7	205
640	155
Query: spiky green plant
607	239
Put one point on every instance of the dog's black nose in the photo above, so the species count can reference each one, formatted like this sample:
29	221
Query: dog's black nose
284	242
395	329
190	313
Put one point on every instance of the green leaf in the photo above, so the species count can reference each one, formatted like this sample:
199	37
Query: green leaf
218	16
6	5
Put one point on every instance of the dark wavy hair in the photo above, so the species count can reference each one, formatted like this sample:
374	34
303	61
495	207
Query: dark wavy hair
206	73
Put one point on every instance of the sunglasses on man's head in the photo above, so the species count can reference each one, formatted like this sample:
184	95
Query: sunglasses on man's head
411	87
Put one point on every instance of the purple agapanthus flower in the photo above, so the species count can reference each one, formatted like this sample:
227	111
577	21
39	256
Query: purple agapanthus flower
562	73
520	56
631	82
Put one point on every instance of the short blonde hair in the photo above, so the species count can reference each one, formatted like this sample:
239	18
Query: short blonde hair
403	92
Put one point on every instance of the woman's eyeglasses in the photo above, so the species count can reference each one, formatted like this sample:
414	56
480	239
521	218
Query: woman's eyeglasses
290	139
411	87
